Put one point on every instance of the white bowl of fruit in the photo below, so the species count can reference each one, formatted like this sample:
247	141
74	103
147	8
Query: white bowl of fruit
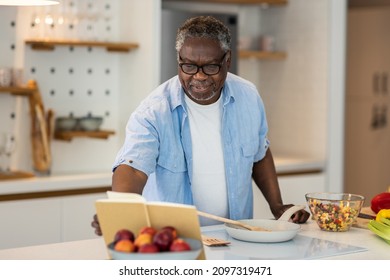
153	244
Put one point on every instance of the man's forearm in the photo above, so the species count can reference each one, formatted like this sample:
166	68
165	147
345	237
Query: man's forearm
264	175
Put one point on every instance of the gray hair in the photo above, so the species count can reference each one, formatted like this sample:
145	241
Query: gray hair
204	27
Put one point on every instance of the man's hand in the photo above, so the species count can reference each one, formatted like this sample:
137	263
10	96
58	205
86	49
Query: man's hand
298	217
95	224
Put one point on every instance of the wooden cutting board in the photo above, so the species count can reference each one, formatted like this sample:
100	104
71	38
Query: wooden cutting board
39	131
362	223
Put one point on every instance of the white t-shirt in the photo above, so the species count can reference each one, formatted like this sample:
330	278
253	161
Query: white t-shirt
208	180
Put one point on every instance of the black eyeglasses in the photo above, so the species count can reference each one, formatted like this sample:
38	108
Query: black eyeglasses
208	69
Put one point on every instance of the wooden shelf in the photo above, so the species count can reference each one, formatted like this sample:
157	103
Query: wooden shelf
262	55
19	91
12	175
69	135
49	45
253	2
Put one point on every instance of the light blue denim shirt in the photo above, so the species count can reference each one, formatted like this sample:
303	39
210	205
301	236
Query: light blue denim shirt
158	142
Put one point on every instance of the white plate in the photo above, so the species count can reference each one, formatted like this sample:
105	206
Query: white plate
280	231
196	247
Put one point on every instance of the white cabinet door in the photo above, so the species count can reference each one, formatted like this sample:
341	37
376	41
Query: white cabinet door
77	216
293	189
30	222
51	220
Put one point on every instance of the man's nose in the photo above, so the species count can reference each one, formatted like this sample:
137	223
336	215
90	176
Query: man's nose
200	75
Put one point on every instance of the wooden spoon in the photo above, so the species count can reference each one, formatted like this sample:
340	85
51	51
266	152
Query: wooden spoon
233	222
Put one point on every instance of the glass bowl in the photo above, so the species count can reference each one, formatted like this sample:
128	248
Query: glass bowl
334	211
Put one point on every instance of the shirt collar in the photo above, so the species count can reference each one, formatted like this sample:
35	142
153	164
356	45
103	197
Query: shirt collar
177	93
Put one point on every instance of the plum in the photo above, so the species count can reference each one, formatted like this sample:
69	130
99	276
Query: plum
148	248
124	234
179	245
163	239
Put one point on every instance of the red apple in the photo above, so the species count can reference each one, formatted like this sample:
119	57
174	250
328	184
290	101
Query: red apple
179	245
148	248
124	234
163	239
173	230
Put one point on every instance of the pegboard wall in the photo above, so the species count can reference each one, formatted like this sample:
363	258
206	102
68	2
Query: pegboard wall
77	81
8	104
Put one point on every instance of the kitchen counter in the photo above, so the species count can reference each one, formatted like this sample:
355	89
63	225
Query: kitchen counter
55	183
283	164
314	244
299	165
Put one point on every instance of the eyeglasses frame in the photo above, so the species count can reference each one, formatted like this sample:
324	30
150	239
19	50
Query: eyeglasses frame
201	67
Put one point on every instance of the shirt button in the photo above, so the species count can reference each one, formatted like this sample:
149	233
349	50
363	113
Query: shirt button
130	161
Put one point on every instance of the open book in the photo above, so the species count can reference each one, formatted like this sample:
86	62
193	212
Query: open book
132	211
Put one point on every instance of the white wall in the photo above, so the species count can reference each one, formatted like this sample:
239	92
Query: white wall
336	95
139	72
295	90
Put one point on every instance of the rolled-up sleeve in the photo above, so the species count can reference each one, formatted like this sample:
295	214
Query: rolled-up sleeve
141	145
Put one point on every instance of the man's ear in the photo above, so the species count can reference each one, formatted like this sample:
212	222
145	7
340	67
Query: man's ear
228	59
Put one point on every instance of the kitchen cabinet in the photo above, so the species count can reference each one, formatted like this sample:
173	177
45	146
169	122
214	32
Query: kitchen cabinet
37	221
367	132
30	222
77	213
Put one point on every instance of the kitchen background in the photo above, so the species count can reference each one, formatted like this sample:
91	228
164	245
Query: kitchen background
301	77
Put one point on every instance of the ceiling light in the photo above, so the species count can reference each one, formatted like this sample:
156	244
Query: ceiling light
28	2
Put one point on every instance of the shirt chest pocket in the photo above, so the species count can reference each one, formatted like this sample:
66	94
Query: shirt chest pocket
249	150
173	162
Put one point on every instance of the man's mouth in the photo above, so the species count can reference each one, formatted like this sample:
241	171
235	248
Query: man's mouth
200	88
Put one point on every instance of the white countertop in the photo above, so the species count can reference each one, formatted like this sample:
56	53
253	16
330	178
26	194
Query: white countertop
91	180
343	245
310	243
55	183
293	164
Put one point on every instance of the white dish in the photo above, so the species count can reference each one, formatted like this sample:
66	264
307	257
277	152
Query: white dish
196	248
280	231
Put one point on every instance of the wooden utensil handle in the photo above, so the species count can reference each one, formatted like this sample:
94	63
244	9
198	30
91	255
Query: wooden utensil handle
234	222
218	218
